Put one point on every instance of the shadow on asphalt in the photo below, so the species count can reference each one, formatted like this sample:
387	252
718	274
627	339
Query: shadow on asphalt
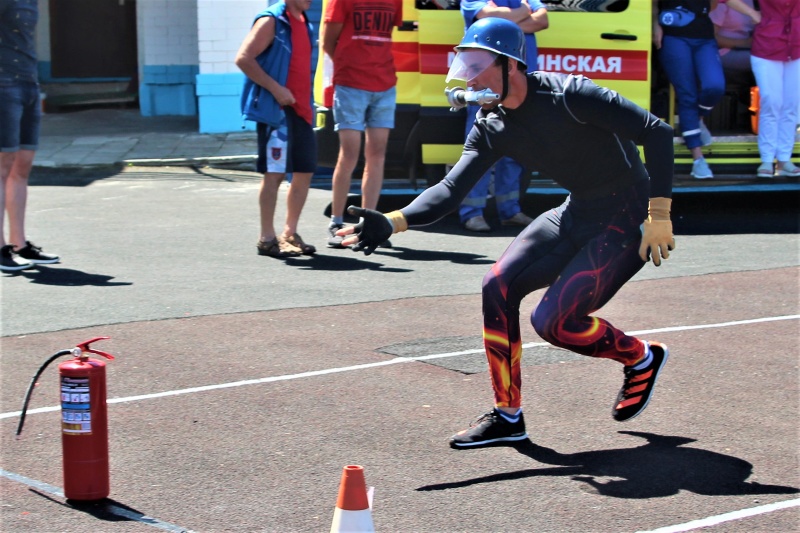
68	277
109	510
661	467
85	176
344	260
340	263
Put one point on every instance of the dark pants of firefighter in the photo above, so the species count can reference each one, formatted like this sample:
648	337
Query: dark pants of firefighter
585	251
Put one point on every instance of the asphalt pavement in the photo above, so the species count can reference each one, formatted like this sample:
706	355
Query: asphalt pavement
244	384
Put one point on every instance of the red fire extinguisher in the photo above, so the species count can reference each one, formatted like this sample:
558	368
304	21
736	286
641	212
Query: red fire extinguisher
84	421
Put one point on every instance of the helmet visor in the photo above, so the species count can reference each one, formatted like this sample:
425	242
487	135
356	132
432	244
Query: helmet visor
469	63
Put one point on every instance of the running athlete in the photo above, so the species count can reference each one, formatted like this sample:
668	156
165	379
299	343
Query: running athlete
585	138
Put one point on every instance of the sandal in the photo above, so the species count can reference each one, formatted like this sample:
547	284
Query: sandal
277	248
789	170
297	241
764	170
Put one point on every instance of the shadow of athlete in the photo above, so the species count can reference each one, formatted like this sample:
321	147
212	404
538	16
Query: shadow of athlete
661	467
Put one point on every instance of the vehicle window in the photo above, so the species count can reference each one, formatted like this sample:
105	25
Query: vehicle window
587	6
578	6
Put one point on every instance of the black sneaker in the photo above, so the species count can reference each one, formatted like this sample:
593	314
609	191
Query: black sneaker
34	254
488	429
638	386
335	241
7	261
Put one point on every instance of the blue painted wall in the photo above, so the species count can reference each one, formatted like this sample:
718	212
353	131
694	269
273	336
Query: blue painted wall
168	90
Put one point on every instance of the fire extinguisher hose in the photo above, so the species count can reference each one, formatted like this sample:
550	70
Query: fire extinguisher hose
28	394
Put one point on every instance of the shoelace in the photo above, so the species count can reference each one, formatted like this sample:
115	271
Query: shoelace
486	416
33	247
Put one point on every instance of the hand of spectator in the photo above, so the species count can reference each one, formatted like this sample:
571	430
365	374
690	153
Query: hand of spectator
374	229
658	35
283	96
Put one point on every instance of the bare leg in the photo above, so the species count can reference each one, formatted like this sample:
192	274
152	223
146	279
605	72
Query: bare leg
295	200
16	195
267	198
349	148
375	156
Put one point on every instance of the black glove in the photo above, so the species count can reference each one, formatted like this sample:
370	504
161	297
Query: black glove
373	230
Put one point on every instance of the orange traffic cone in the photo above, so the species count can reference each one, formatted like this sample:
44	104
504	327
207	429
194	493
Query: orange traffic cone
352	512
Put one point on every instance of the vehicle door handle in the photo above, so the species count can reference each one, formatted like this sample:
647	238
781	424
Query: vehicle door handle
618	36
408	25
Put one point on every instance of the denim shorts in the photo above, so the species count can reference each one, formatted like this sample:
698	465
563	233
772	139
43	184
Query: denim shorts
354	109
291	147
20	114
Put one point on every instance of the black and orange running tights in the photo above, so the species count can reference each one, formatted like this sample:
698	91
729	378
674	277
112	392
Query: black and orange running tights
584	251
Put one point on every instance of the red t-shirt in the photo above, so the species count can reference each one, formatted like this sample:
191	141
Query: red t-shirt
363	58
299	80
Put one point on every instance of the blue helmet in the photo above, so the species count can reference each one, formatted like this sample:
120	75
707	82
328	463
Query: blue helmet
496	35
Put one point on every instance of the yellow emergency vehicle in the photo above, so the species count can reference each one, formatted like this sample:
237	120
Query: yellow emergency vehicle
608	41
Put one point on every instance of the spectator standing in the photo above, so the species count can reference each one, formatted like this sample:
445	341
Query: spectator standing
616	218
775	60
734	34
683	34
357	37
276	58
531	16
20	115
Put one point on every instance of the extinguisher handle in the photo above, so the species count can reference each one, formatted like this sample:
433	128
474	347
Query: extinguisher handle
84	347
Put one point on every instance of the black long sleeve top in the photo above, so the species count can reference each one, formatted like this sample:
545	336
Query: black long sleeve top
575	132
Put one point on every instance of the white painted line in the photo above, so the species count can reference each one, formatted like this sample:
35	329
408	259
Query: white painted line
727	517
397	360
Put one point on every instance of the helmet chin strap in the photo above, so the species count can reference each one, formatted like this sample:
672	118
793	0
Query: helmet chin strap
504	66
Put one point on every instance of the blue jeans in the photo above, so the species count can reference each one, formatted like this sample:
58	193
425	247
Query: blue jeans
507	173
694	68
20	114
356	109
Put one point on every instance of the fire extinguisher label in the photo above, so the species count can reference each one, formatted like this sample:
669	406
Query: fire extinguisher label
76	416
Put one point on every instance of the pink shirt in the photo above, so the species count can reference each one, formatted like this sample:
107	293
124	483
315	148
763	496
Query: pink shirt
731	24
777	37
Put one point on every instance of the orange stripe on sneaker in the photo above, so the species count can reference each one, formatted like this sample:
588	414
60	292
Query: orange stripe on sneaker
637	388
642	376
629	401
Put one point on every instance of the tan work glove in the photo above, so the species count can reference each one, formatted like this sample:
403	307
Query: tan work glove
657	232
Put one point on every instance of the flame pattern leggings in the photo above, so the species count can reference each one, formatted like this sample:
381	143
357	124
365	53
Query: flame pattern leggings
585	251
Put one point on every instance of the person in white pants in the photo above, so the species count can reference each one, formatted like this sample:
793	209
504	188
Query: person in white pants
779	93
775	60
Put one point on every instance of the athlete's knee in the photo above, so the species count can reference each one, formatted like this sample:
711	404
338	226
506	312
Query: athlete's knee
545	322
492	286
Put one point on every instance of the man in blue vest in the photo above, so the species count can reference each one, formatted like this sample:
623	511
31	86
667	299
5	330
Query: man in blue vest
276	58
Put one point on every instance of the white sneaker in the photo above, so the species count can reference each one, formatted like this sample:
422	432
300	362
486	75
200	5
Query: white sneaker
520	219
765	171
789	170
477	224
700	170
